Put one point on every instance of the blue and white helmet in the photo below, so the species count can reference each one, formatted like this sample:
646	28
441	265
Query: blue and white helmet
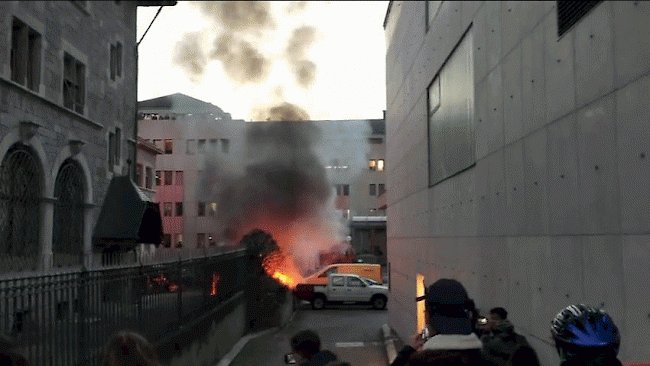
584	330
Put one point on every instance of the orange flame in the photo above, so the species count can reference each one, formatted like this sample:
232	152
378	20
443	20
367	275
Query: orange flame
282	269
215	280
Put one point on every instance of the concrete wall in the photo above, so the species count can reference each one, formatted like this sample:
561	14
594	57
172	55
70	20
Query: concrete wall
210	339
553	212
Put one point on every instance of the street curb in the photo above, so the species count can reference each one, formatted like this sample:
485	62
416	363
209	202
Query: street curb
389	342
230	356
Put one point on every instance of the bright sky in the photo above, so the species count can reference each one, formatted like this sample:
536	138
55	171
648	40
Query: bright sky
349	52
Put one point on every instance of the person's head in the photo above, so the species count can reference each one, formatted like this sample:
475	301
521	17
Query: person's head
447	304
498	314
8	354
305	344
439	357
128	348
495	316
580	331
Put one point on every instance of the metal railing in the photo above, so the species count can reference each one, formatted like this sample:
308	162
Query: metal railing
66	318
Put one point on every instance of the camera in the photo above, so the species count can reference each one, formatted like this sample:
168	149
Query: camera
289	359
425	334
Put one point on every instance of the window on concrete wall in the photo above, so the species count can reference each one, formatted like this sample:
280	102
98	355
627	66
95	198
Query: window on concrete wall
200	209
138	174
115	61
168	177
111	151
191	147
201	146
200	240
213	145
346	189
372	189
451	115
381	189
570	12
118	144
167	240
225	146
148	178
74	83
213	209
25	55
167	209
372	164
380	165
169	144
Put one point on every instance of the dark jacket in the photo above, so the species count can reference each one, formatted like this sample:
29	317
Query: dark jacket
602	360
322	358
500	344
468	343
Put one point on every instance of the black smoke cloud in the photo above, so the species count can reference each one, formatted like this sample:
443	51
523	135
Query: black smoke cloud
301	40
189	55
241	61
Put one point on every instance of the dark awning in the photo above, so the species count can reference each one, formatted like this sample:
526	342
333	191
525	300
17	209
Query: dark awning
128	217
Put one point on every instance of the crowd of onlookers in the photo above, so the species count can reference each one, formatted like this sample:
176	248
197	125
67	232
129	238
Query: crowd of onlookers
455	335
125	348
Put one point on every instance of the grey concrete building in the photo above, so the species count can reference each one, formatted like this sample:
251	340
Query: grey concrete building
67	125
518	138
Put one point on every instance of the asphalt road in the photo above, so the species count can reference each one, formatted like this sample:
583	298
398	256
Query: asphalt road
352	332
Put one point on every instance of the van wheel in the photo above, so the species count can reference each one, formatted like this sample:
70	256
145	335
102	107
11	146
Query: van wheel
379	302
318	302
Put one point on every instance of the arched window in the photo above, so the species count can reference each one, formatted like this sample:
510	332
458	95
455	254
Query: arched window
20	187
67	235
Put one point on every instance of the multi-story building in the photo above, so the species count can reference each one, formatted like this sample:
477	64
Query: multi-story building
67	124
517	140
198	138
188	132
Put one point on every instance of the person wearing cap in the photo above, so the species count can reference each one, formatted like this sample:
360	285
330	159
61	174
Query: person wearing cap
447	320
306	349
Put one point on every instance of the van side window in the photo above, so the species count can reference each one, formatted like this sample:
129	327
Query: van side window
338	281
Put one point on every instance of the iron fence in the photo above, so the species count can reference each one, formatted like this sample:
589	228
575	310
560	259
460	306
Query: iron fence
66	318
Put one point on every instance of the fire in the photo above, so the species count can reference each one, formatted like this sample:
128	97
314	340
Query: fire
282	268
284	279
215	280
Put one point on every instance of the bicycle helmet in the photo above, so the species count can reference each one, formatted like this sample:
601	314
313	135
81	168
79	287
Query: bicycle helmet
583	330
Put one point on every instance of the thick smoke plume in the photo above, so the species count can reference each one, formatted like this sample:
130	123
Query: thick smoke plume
241	61
188	54
284	190
239	15
304	70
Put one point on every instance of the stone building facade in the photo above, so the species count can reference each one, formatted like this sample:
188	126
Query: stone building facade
518	135
67	125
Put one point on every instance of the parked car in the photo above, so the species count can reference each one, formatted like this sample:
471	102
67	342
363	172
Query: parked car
343	288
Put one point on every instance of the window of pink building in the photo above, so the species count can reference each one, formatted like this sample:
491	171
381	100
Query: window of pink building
179	178
168	177
167	209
